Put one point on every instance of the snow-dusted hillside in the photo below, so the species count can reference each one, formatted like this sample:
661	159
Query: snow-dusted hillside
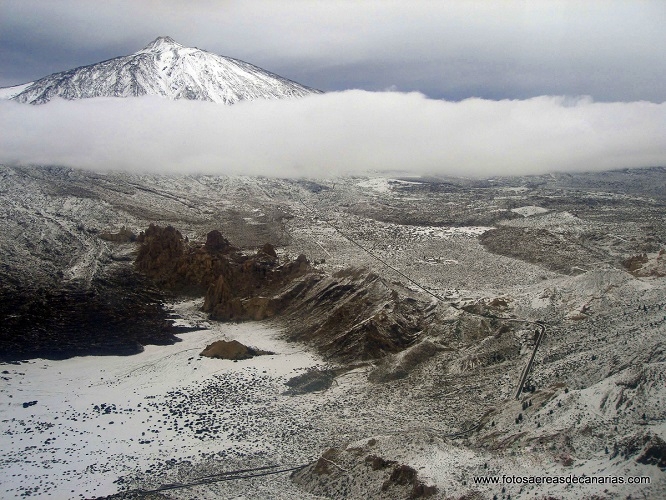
582	255
164	68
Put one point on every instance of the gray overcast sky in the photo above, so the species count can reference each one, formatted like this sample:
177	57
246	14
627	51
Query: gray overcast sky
610	50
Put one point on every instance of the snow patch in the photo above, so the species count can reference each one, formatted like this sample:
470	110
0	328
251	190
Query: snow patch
11	92
529	210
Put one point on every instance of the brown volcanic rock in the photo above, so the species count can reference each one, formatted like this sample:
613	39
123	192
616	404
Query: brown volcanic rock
646	265
269	250
223	349
359	472
161	254
247	291
235	285
353	315
215	242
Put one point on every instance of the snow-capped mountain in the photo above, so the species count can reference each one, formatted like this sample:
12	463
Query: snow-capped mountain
165	68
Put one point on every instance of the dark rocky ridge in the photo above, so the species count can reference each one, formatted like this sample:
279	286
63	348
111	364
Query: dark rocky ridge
116	314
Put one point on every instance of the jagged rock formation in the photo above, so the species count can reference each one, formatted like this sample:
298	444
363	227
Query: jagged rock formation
355	315
235	285
164	68
352	315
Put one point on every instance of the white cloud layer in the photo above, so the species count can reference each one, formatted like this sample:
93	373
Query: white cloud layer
336	133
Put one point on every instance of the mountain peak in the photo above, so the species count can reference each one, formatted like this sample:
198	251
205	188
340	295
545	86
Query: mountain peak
162	43
165	68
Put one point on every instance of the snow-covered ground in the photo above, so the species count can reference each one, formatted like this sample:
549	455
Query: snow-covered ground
599	373
71	428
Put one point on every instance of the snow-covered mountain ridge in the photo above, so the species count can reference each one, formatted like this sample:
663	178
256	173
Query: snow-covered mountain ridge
165	68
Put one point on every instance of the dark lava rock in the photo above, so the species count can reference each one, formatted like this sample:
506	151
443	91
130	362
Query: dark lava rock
654	452
310	381
215	242
269	250
404	475
116	314
378	463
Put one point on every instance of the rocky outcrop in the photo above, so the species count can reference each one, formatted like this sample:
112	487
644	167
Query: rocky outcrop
246	288
232	349
645	265
358	472
235	285
178	266
352	315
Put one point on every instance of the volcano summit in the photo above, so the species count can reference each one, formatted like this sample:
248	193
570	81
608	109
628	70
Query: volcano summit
165	68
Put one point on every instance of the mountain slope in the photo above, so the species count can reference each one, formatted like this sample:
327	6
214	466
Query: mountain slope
168	69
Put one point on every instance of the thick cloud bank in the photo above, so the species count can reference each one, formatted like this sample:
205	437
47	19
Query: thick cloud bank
336	133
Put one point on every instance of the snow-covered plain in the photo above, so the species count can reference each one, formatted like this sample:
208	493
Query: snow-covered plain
71	428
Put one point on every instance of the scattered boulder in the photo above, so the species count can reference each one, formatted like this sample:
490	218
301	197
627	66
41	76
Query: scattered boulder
232	349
